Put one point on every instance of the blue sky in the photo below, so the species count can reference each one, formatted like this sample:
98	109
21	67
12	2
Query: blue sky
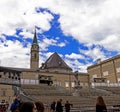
80	31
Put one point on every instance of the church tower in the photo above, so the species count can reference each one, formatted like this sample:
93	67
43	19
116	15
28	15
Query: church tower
34	58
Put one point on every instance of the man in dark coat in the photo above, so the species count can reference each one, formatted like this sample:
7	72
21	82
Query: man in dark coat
59	107
67	106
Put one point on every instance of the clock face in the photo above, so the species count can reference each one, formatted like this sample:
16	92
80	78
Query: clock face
34	47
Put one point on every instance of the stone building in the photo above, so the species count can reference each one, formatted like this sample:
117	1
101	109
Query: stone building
105	72
54	71
9	81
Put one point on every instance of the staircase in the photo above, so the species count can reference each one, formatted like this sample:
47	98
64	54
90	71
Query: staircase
46	94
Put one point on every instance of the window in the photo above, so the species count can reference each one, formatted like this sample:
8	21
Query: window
118	80
25	81
108	81
66	84
95	76
32	81
105	73
3	92
73	84
35	56
86	84
82	84
57	83
118	69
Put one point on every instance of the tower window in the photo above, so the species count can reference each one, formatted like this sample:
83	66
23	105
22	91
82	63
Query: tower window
35	56
3	92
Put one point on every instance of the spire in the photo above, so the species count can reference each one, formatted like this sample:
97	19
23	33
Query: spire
35	38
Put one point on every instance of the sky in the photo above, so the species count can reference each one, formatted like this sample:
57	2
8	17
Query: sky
80	31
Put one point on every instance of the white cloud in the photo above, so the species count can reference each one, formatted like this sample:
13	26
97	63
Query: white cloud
72	61
46	42
74	56
14	54
94	53
62	44
111	42
26	34
21	14
43	57
76	65
88	21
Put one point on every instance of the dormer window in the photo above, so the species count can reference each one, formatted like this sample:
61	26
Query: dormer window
60	63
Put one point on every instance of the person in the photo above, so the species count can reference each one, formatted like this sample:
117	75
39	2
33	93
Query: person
7	104
39	106
59	107
100	105
27	107
67	106
52	106
15	105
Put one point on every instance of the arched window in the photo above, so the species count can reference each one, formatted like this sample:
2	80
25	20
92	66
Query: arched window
35	56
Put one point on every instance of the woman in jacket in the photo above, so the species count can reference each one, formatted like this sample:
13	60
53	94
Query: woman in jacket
100	105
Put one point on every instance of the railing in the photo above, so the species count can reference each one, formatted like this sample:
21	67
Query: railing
8	82
77	108
106	84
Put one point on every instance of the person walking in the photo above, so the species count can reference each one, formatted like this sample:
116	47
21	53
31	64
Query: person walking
67	106
59	107
53	106
100	105
15	105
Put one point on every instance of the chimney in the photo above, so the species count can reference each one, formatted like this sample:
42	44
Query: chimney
98	60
